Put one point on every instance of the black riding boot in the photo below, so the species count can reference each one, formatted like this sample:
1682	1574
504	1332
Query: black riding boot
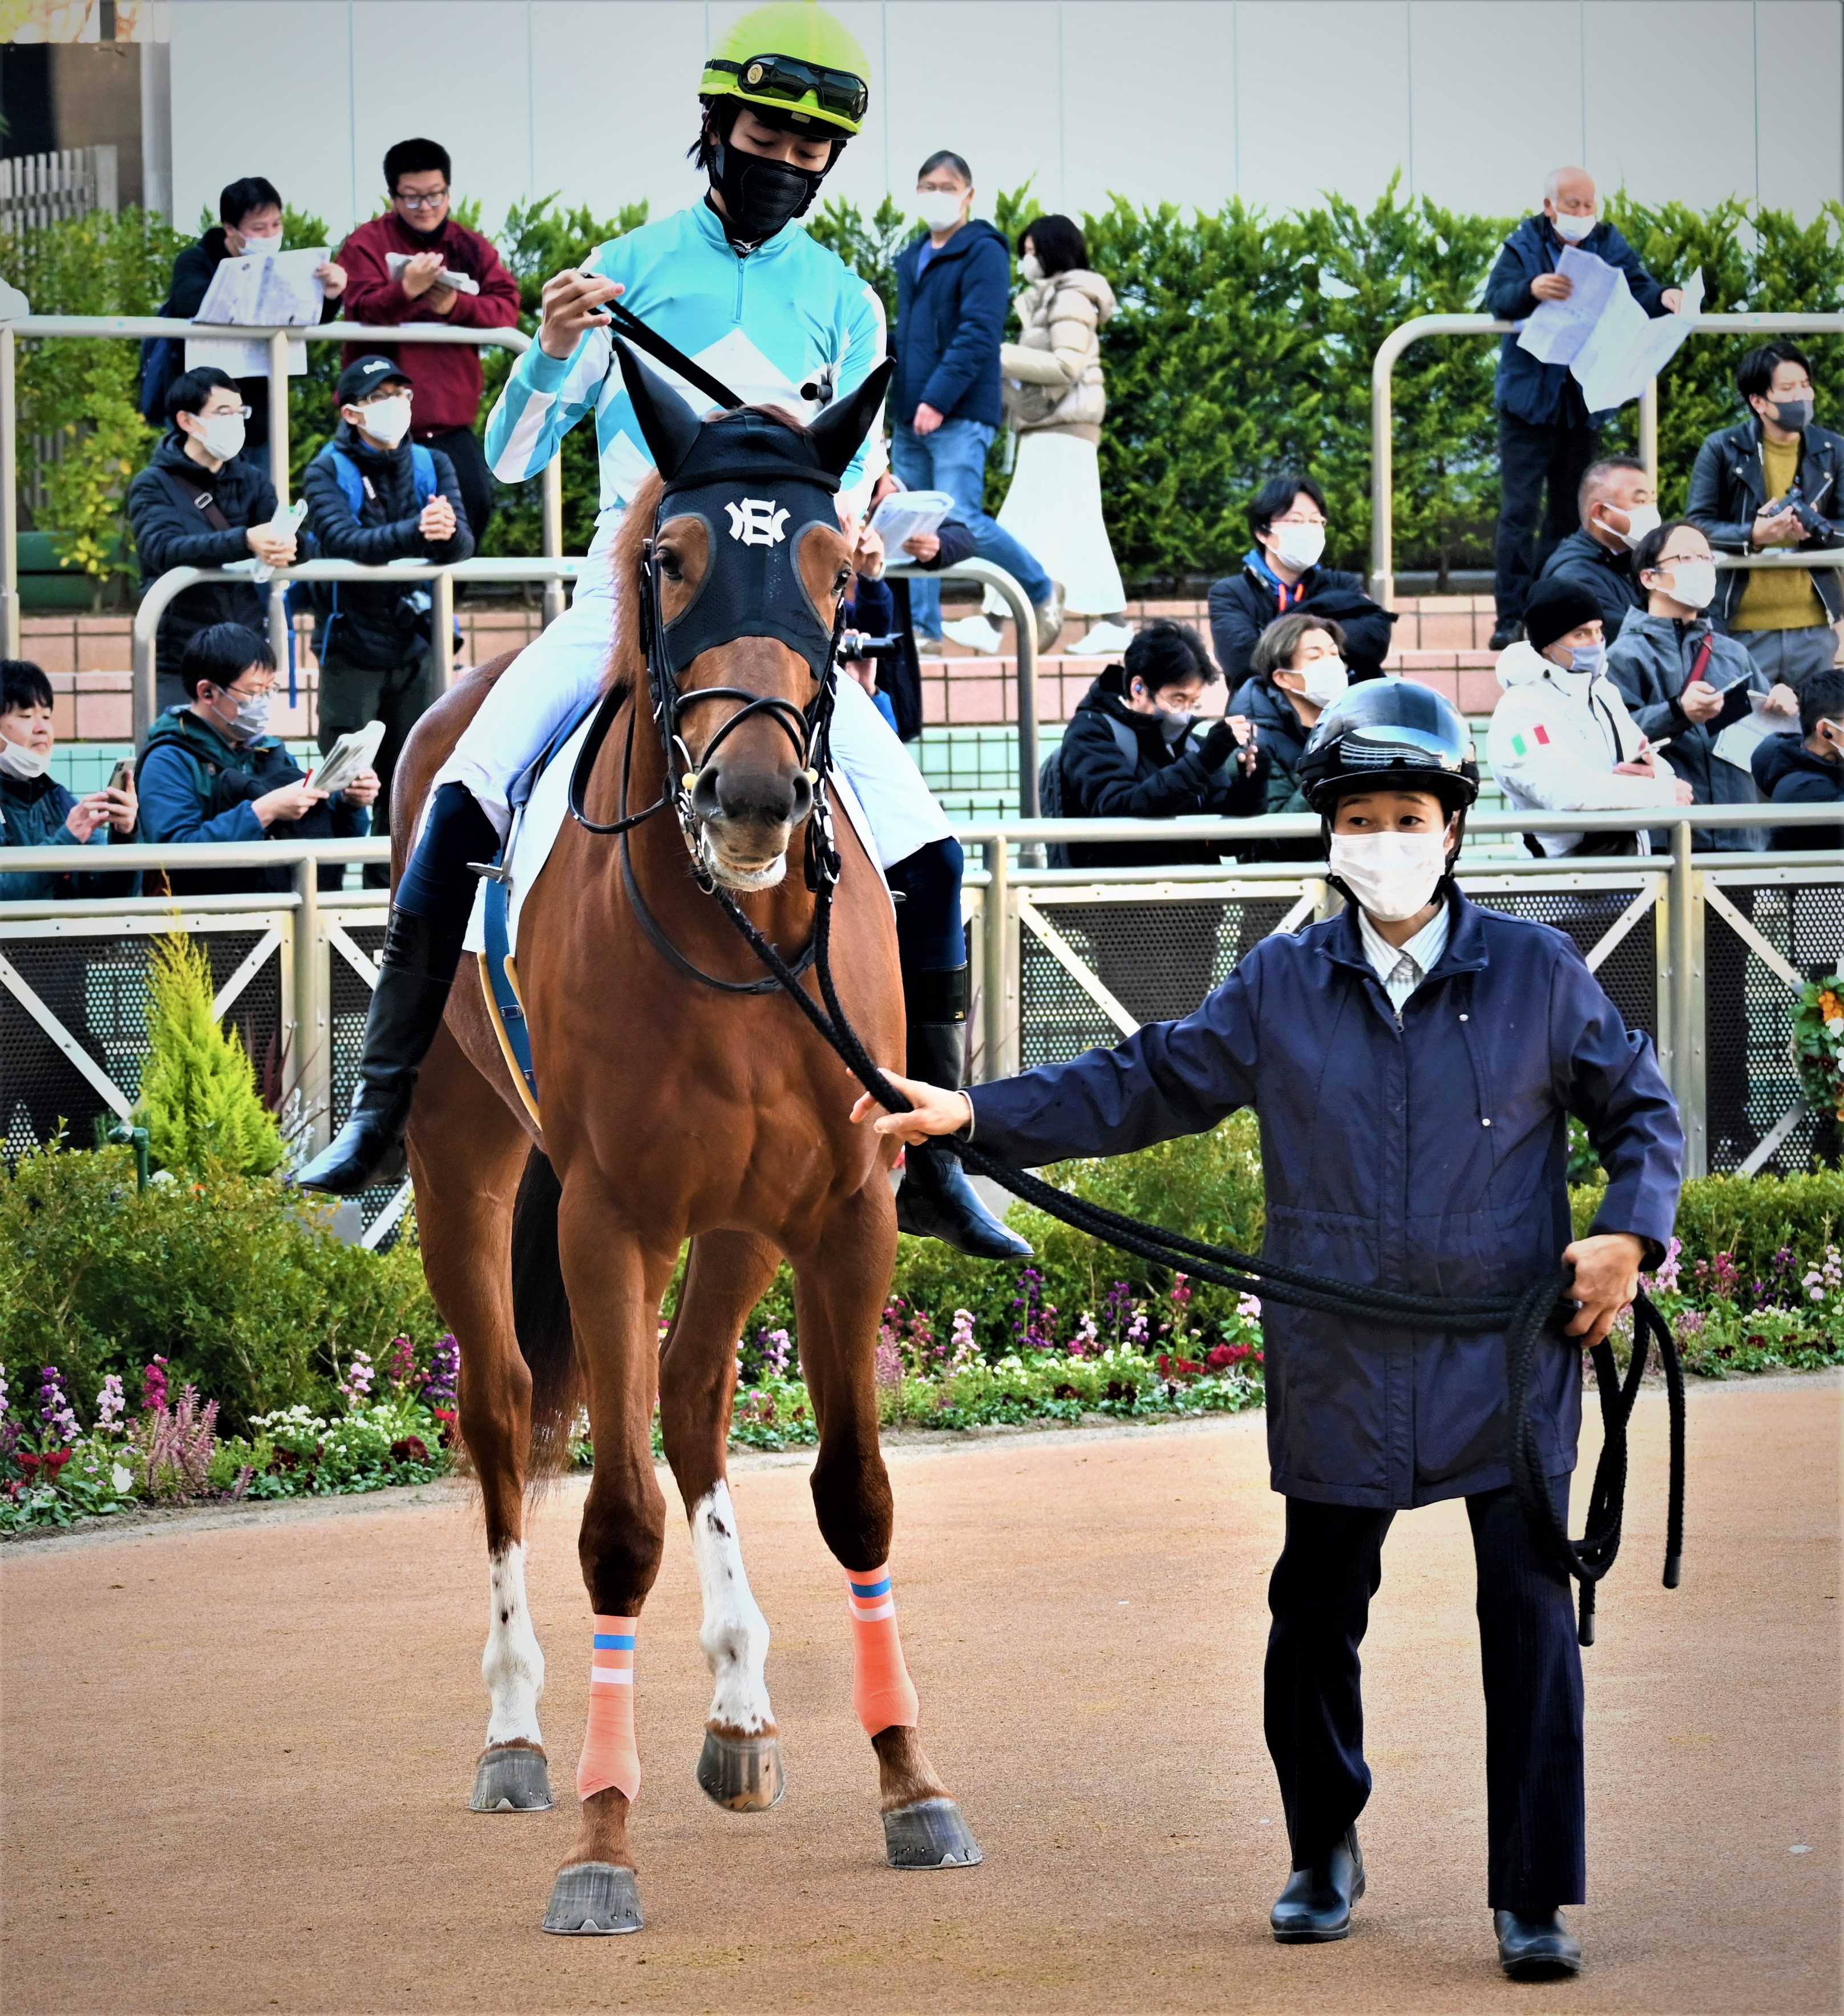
935	1201
416	969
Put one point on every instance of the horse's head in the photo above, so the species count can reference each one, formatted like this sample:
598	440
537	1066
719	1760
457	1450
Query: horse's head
740	566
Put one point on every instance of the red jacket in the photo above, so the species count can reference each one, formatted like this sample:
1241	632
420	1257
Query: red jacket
446	376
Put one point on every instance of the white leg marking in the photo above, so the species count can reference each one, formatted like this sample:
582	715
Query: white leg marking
735	1634
512	1666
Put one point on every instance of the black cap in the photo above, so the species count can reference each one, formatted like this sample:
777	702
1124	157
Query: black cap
364	375
1556	607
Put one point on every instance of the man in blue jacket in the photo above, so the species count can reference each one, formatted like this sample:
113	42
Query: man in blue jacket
1547	437
953	286
1413	1063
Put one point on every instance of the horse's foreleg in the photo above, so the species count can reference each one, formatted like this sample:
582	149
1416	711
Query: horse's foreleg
840	1288
467	1154
740	1766
615	1287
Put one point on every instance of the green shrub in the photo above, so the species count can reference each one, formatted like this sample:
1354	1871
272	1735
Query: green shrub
237	1282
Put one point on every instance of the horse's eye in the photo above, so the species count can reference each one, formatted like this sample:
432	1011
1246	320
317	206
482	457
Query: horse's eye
669	566
843	580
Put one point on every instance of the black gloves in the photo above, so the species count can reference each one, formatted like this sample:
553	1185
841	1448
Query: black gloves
1217	746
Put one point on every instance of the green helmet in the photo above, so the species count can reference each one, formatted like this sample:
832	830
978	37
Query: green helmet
792	56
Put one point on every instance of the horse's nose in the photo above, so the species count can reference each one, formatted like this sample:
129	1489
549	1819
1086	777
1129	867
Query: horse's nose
746	795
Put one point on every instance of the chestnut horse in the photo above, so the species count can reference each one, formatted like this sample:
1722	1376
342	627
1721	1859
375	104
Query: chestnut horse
673	1109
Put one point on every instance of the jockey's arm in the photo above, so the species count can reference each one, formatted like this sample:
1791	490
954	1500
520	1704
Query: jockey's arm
545	396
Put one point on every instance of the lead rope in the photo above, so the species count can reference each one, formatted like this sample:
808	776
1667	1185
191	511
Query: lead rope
1524	1319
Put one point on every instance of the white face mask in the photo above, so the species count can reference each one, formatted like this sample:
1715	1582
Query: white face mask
1693	583
939	209
269	242
1032	267
1299	545
1390	875
222	435
21	762
1588	658
387	420
1572	230
1643	518
1327	682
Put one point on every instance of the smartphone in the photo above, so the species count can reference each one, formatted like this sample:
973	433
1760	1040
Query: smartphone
122	776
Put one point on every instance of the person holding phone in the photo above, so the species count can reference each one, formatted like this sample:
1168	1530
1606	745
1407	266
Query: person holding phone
38	811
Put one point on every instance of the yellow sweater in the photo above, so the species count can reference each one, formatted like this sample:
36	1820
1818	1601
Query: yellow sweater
1781	598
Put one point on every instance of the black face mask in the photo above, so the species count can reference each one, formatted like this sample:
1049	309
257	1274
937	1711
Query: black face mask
1794	415
760	196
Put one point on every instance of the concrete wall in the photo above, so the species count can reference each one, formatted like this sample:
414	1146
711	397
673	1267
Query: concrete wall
1189	101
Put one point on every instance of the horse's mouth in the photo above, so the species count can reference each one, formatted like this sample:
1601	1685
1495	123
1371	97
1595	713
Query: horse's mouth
742	874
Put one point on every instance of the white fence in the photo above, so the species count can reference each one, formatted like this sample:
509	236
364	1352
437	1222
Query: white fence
38	189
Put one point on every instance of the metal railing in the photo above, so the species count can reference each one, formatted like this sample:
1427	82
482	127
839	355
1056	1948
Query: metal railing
136	329
1382	417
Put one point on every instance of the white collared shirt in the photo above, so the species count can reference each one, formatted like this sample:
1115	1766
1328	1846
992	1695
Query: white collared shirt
1403	968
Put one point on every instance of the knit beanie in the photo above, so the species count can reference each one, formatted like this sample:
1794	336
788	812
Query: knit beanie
1556	607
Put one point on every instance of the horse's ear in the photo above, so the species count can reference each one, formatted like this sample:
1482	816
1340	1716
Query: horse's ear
668	424
840	430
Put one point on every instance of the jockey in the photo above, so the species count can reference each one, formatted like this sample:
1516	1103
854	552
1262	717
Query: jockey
736	284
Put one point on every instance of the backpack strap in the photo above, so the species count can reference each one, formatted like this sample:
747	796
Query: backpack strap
423	473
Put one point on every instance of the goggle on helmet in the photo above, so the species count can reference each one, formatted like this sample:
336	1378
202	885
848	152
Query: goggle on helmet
1389	733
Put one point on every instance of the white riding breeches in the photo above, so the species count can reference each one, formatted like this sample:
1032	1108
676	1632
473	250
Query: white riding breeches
557	675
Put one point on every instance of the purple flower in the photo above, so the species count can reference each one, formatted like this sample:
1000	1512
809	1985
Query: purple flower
54	1406
153	1386
400	1367
444	1373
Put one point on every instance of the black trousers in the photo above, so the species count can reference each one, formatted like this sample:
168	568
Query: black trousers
1321	1596
1531	458
461	447
350	695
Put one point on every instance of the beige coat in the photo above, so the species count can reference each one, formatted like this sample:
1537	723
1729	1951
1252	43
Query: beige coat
1058	360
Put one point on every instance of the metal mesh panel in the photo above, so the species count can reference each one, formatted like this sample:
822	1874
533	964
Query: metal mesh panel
97	988
1748	1023
1630	972
1159	957
351	998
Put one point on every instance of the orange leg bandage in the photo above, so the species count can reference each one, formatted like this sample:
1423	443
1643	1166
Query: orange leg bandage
882	1691
609	1755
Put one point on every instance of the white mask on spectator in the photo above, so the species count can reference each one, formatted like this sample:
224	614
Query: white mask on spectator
1643	518
1693	582
19	760
387	420
251	718
1327	682
1391	875
263	242
222	435
939	209
1032	267
1572	230
1299	545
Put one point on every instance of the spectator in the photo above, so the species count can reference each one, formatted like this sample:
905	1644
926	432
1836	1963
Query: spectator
1281	576
1296	671
1808	769
373	497
1547	437
1562	739
211	770
951	285
37	811
199	503
1054	398
870	616
250	213
897	674
1683	682
446	377
1776	481
1618	507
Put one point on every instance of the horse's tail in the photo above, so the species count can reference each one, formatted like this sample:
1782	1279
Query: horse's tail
541	1317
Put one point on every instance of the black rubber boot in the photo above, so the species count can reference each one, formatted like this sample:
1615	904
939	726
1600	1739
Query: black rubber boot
1316	1906
415	970
1536	1945
935	1200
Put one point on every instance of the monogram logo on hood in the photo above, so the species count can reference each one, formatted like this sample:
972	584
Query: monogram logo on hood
758	521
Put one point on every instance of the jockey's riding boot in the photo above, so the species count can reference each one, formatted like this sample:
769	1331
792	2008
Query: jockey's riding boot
416	969
935	1200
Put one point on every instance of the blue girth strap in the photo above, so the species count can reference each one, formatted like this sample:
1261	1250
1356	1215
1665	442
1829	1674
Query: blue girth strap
502	993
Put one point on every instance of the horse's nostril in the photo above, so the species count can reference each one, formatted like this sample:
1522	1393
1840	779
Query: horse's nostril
803	796
706	794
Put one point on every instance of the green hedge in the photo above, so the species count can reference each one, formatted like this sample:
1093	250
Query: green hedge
1243	345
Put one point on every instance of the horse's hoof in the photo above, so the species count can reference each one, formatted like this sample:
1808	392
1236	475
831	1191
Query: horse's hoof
514	1780
594	1897
742	1772
930	1834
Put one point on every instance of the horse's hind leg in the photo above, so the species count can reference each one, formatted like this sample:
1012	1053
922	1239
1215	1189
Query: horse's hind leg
468	1153
740	1766
839	1294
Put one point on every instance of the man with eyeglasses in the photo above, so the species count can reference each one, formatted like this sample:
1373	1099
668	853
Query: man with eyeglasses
395	268
201	503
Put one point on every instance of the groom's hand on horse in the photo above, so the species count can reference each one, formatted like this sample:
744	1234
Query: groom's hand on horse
936	1111
573	302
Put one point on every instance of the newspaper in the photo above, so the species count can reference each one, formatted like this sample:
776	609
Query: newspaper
463	283
1740	739
908	514
1611	346
351	753
261	290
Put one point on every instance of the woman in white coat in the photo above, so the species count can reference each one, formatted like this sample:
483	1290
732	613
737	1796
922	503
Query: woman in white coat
1055	400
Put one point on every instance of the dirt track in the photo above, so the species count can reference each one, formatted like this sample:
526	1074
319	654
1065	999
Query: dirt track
236	1755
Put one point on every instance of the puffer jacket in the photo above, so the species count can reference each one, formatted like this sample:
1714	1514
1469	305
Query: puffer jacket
1651	661
1427	1151
33	812
1057	360
1787	773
